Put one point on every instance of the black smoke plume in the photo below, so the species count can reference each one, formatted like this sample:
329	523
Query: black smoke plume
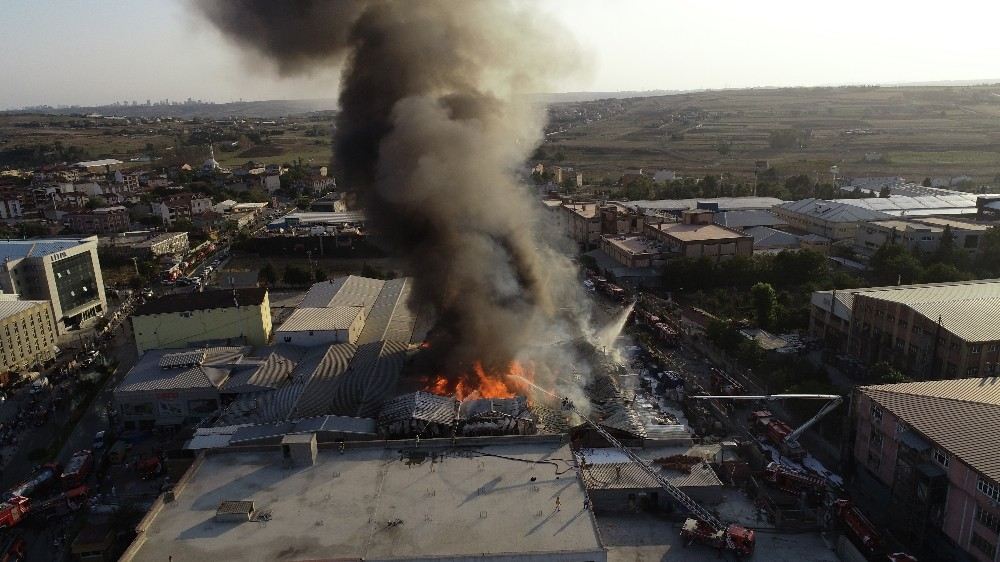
432	128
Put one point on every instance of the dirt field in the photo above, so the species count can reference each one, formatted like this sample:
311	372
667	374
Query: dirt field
916	131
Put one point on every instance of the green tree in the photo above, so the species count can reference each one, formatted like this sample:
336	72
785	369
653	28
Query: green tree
988	261
295	275
892	264
268	275
945	252
885	192
942	273
884	373
765	304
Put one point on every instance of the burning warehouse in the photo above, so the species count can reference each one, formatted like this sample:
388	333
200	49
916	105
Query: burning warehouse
496	416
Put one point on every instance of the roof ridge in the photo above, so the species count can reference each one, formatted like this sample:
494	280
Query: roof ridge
932	397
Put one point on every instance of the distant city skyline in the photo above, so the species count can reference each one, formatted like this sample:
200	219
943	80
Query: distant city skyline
89	52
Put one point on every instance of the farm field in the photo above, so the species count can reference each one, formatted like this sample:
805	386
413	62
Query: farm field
915	132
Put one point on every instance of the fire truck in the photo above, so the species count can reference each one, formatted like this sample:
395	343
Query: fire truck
16	509
77	469
13	510
777	432
41	480
12	549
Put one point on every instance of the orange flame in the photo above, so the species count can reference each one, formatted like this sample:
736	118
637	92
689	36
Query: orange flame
480	383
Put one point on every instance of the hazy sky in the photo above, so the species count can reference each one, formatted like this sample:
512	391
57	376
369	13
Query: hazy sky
90	51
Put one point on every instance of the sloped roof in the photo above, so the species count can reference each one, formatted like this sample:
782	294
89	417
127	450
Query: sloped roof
962	416
968	309
419	406
321	319
832	211
746	218
765	237
343	291
216	365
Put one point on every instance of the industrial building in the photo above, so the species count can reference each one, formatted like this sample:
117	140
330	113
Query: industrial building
283	381
63	271
937	330
919	235
27	333
715	204
485	500
226	317
698	237
318	220
950	203
829	219
925	457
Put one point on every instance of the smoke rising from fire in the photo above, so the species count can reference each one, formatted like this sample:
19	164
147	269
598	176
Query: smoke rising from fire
432	129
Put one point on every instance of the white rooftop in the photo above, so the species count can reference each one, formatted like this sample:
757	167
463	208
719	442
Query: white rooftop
381	503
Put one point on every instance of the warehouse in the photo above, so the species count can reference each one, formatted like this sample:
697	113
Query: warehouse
486	500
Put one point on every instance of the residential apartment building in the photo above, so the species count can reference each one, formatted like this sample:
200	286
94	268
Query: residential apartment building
829	219
223	317
920	235
182	206
64	271
99	221
939	330
924	457
698	237
27	333
145	244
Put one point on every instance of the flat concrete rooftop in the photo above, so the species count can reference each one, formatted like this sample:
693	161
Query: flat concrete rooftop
494	502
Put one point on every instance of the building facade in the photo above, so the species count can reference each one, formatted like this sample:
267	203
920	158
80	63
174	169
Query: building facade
145	244
27	333
99	221
923	456
182	206
939	330
63	271
921	235
225	317
582	222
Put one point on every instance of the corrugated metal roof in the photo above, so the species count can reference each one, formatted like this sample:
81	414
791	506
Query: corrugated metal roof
319	393
629	476
970	309
419	406
147	375
343	291
320	319
832	211
10	308
961	416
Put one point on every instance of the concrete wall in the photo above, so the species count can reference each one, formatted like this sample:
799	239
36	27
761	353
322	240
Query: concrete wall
178	329
162	407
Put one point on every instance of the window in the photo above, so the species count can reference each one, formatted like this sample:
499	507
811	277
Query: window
899	343
288	339
988	519
972	371
877	414
975	348
991	490
941	457
983	545
993	347
903	323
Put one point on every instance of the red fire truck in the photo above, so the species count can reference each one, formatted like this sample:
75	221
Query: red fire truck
77	469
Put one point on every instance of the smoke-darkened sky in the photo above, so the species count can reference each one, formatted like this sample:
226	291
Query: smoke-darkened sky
97	51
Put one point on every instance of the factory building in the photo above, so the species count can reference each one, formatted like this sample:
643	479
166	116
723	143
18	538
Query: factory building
225	317
63	271
935	330
486	501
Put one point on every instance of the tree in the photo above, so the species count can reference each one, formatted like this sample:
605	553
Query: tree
765	304
884	192
884	373
295	275
926	182
942	273
945	252
988	262
892	264
268	275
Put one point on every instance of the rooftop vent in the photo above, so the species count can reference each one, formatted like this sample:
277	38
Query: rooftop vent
234	511
299	450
